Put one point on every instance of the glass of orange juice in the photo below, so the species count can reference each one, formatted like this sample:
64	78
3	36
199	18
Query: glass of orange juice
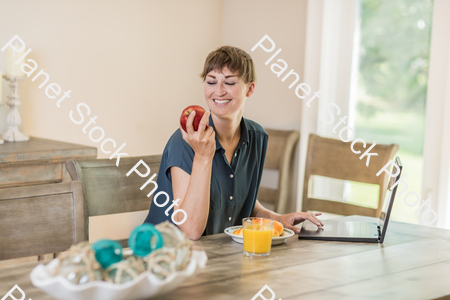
257	236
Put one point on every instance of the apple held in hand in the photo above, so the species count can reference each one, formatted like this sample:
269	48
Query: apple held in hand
199	111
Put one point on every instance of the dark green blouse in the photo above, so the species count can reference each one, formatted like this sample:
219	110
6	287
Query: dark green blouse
234	187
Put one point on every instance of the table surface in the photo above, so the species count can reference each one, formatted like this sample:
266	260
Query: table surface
412	263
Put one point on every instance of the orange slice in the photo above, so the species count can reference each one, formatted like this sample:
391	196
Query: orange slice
275	233
278	227
259	221
239	231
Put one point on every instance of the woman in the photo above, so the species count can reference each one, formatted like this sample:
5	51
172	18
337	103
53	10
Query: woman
216	171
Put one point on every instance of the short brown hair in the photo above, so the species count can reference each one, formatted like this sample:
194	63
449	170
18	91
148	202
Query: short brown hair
235	59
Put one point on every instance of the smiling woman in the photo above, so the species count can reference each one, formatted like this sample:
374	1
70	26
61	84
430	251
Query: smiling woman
216	170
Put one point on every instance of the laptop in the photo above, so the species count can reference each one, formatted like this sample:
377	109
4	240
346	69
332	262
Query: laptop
354	231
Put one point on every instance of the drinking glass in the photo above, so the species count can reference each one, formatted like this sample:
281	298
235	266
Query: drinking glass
257	236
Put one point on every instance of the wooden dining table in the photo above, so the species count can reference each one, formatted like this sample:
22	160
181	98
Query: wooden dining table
412	263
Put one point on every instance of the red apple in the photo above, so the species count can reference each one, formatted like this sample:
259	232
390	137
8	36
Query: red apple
199	111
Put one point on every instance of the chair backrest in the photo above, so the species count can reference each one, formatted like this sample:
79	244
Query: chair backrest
40	219
333	158
106	188
280	156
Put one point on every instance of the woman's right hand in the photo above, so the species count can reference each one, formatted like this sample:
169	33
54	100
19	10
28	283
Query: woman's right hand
202	141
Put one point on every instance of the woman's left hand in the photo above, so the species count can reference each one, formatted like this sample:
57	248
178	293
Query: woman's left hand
289	220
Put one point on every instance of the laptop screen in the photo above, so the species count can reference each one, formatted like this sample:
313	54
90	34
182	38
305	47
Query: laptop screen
388	201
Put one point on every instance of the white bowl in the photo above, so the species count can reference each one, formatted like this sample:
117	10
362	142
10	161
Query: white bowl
275	240
144	286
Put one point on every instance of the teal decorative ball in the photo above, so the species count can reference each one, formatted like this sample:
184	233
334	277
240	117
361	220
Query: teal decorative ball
144	239
107	252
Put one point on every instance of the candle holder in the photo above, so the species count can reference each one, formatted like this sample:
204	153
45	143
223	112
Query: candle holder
13	118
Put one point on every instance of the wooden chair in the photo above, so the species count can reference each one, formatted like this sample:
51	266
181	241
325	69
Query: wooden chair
334	158
40	219
280	156
106	188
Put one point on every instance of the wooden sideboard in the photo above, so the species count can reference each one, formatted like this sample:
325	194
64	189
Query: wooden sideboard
38	161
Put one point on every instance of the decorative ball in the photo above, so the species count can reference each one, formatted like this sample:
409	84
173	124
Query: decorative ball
177	243
107	252
161	263
78	264
144	239
125	270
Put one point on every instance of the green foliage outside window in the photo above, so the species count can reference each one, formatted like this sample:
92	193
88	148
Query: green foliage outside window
394	52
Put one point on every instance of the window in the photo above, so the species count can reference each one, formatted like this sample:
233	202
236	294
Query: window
391	88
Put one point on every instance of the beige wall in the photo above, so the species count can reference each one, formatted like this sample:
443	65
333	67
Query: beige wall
136	64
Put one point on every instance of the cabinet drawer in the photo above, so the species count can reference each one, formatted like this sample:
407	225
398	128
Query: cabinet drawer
29	174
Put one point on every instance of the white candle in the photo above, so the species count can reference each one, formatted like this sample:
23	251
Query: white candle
12	69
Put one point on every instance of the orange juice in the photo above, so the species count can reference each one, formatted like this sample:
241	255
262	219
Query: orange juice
257	241
257	236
